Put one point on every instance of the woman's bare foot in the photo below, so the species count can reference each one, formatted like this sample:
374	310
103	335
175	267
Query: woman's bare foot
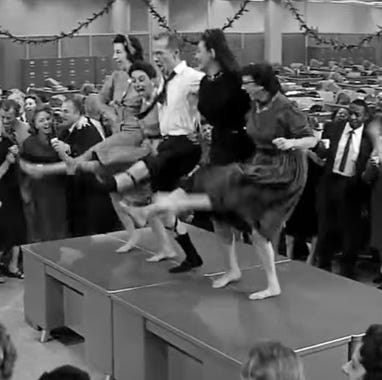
71	165
227	278
160	256
134	238
271	291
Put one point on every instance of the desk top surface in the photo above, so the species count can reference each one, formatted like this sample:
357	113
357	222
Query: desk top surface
93	259
315	307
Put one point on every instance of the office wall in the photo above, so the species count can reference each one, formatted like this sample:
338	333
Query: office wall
35	17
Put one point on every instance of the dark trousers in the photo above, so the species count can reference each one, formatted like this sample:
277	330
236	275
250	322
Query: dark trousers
177	156
339	221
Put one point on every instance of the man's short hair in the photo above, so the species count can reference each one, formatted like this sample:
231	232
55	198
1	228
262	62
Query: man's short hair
174	40
11	104
361	103
78	103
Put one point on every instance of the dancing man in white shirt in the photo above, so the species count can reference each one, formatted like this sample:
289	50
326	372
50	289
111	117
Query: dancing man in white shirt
178	153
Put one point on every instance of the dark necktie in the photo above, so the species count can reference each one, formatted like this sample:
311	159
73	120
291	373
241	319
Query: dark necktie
346	152
160	98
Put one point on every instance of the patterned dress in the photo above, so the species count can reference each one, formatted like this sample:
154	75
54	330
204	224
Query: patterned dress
262	192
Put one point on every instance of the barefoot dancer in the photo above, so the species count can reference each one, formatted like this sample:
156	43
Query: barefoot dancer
260	194
224	104
178	153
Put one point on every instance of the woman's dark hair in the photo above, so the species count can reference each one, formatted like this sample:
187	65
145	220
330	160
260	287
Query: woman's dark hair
35	97
215	39
132	47
371	352
263	75
144	66
8	354
41	108
66	372
272	361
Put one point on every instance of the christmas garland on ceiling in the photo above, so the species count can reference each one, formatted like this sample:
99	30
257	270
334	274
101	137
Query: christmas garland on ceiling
62	35
162	21
334	43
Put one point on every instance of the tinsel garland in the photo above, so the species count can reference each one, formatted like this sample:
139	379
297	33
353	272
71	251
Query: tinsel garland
332	42
62	35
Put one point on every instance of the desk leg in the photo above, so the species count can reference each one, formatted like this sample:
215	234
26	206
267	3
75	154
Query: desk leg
138	354
43	299
97	320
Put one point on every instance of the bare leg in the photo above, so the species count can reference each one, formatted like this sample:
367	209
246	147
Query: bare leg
227	242
14	262
267	256
289	246
127	222
40	170
312	248
166	250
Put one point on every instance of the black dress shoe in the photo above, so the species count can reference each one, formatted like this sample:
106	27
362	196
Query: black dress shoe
186	266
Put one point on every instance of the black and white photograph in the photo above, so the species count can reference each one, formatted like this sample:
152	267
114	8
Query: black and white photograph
190	189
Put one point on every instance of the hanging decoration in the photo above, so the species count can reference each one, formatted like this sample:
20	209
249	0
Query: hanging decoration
62	35
334	43
163	23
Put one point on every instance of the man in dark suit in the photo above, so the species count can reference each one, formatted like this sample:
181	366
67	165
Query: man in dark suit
342	195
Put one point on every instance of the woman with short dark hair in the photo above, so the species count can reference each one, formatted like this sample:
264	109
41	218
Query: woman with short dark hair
260	194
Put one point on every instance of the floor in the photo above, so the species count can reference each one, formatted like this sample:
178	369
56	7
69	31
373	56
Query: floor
34	358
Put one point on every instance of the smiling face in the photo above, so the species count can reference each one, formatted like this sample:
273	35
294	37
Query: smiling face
342	114
357	116
69	114
43	123
203	56
143	85
30	104
165	57
120	56
8	119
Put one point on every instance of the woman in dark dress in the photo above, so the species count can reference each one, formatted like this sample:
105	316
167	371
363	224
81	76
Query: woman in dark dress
48	194
224	105
12	222
261	193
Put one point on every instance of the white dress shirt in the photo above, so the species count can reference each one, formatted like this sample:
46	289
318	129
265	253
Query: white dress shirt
355	146
178	116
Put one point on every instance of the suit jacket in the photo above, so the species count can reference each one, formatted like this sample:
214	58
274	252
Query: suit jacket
333	132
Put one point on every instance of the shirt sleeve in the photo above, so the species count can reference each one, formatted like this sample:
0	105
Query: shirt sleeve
297	122
195	80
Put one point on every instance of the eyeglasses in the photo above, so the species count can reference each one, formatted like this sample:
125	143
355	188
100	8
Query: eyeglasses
248	82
